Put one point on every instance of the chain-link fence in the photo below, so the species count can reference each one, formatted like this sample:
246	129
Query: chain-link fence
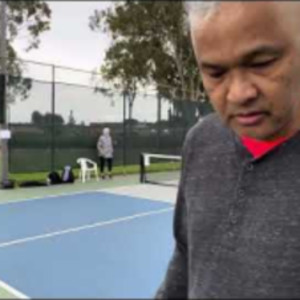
56	114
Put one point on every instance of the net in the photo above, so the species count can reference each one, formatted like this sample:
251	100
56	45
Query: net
160	169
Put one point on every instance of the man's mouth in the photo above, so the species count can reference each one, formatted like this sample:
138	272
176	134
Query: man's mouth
250	119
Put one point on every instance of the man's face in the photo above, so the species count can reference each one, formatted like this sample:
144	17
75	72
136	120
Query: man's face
250	64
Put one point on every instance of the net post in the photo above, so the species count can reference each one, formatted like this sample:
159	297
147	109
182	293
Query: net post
155	174
142	168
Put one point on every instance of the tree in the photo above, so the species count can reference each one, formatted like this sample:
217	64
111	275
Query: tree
30	19
151	45
48	119
71	120
37	118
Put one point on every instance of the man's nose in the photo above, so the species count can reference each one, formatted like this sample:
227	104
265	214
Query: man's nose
240	89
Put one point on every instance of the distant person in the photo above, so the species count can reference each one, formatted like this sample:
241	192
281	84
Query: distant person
105	153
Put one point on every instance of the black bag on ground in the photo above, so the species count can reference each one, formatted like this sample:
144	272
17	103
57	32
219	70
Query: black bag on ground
54	178
32	183
8	184
67	175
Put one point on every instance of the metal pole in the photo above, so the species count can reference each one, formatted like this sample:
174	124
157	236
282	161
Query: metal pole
3	104
52	147
158	143
124	131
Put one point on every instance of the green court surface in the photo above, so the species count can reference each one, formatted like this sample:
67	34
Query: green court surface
6	295
34	192
7	292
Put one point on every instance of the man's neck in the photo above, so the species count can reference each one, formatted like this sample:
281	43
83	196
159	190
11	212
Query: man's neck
259	148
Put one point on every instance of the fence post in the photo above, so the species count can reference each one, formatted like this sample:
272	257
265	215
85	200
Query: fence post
3	100
158	122
52	125
124	133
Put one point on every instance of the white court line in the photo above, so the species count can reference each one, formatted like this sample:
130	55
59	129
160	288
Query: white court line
43	197
159	193
12	291
84	227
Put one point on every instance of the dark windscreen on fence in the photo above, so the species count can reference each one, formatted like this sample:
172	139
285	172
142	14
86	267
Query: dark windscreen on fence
56	120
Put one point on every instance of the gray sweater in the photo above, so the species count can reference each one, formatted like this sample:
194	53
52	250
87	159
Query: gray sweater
105	146
237	219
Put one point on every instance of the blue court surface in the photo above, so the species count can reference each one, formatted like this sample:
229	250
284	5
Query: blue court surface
85	245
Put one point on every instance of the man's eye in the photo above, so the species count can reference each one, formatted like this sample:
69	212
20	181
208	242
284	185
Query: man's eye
262	64
216	74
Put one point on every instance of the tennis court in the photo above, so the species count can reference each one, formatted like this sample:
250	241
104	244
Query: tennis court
110	242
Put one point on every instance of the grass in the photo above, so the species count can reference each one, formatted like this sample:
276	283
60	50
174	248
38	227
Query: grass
41	176
5	294
162	167
118	170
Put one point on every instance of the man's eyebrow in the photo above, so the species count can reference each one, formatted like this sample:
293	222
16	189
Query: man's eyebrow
250	55
262	50
208	65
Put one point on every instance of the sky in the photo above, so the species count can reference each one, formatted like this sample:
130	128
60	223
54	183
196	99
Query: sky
70	42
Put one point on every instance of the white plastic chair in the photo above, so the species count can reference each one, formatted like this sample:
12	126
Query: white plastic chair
87	167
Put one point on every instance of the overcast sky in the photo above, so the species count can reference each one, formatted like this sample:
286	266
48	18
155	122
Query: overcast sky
70	42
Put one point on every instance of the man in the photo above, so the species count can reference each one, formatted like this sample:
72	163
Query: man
237	217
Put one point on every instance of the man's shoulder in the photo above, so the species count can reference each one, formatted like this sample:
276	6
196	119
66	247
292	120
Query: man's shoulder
209	129
208	137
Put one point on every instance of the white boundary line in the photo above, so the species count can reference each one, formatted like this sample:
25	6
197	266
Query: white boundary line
42	197
12	290
84	227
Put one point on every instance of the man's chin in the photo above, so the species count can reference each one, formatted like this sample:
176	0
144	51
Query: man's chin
253	133
258	135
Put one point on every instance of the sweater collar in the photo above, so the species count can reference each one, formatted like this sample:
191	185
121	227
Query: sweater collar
292	142
259	148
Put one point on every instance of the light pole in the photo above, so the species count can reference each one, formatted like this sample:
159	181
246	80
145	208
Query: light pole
4	133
